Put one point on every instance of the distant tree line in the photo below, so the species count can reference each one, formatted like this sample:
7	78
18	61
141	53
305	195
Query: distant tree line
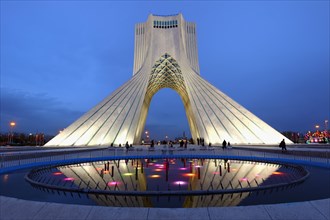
22	139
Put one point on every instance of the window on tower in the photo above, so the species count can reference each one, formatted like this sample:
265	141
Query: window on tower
165	24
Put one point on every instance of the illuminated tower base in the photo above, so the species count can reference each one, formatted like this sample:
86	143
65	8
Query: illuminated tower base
166	57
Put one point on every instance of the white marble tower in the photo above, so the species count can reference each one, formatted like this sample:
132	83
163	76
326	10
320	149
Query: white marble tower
166	56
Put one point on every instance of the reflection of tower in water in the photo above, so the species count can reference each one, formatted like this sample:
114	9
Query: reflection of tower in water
172	175
99	175
226	175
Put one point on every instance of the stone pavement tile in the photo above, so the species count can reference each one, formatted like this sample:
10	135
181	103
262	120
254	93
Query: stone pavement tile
239	212
323	206
4	199
293	211
20	209
178	213
63	211
100	213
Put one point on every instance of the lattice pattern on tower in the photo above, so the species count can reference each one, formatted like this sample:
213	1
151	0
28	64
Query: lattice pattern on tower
166	73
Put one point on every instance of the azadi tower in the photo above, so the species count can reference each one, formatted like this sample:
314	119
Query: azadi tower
166	56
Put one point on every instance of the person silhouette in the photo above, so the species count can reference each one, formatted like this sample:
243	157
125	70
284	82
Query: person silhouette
224	144
283	145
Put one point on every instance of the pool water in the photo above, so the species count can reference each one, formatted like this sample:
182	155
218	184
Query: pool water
167	175
168	183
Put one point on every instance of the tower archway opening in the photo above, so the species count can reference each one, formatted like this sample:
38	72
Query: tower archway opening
166	118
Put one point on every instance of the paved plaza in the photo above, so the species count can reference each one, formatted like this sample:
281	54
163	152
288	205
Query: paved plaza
13	208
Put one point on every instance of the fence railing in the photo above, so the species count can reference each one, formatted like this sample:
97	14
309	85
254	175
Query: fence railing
23	158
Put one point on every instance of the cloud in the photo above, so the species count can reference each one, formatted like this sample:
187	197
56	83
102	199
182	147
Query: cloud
34	112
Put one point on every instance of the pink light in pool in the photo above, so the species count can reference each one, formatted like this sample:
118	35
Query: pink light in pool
57	173
216	173
180	182
244	179
68	179
158	170
183	168
159	165
258	175
198	166
113	183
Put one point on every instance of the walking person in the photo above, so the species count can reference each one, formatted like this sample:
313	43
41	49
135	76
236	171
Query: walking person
283	145
127	145
224	144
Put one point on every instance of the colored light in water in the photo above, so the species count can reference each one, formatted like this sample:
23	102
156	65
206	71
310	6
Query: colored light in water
128	174
158	170
150	164
216	173
180	182
258	175
278	173
154	176
244	179
189	174
57	173
198	166
113	183
68	179
183	168
98	168
233	169
159	165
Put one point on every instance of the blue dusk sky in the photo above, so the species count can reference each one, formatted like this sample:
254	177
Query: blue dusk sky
61	58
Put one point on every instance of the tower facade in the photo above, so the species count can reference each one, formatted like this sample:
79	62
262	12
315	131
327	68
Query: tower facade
166	56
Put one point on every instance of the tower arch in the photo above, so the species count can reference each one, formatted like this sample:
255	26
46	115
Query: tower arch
166	73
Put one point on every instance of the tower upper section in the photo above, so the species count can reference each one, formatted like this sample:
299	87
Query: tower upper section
165	34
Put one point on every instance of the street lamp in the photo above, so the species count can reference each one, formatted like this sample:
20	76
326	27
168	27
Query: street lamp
12	124
147	136
317	127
